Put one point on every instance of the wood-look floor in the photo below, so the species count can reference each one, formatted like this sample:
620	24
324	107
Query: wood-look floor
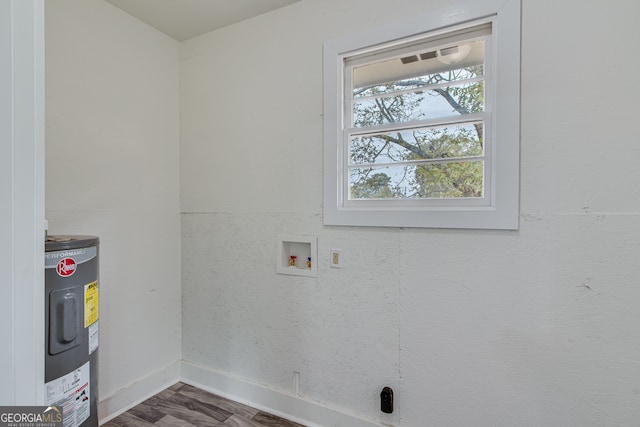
182	405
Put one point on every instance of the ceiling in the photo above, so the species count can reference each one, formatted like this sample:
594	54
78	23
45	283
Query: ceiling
184	19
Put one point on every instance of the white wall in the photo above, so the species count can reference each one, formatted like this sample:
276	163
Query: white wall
22	207
484	328
112	130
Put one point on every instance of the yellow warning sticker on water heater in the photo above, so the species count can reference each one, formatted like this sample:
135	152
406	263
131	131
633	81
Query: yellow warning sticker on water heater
90	304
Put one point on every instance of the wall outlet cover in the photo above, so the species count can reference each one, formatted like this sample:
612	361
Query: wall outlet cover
335	258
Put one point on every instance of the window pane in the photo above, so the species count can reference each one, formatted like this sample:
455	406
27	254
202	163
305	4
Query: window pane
419	82
434	181
463	140
437	102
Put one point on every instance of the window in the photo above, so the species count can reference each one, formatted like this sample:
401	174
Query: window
423	130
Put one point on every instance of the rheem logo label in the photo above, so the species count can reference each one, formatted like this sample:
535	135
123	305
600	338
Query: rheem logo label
66	267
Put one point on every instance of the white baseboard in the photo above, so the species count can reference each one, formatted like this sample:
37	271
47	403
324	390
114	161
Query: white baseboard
289	406
129	396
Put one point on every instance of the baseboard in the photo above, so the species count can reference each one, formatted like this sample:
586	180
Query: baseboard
129	396
288	406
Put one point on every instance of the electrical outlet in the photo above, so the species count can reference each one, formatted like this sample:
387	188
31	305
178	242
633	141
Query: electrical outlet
336	258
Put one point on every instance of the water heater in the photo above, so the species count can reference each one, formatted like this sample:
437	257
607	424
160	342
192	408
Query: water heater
71	329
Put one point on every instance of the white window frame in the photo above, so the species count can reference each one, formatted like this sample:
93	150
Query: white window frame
501	208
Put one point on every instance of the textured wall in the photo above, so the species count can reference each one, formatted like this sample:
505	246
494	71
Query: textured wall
485	328
112	129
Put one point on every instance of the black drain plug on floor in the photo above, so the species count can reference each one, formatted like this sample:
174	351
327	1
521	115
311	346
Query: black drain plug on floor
386	400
